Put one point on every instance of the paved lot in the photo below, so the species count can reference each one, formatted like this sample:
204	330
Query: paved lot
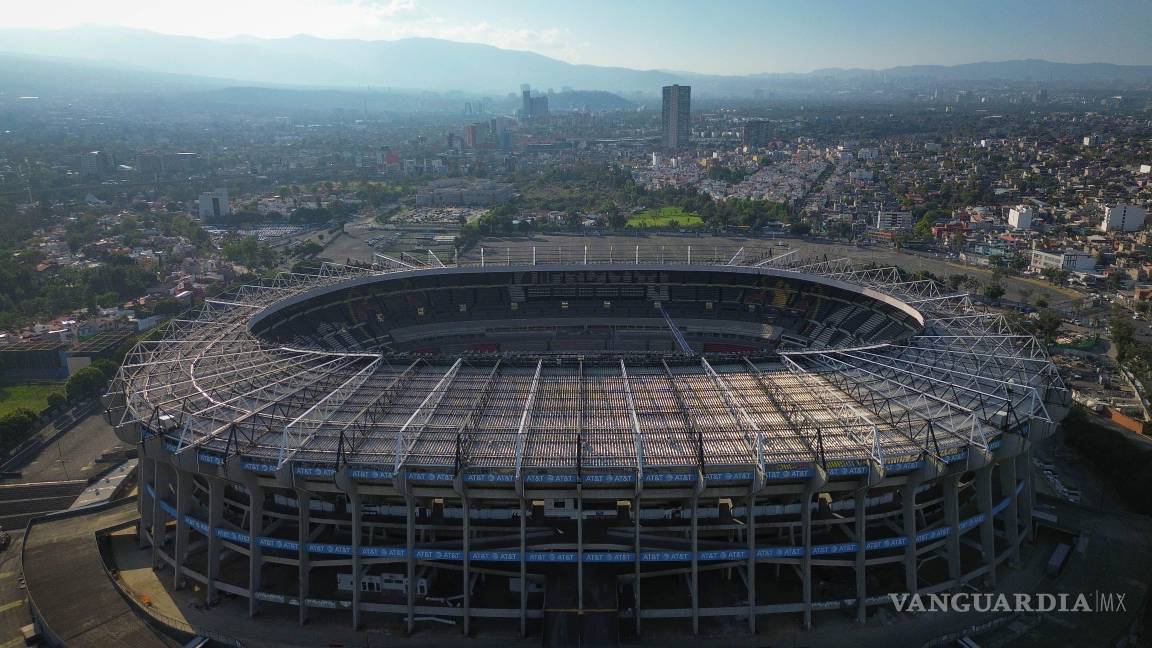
72	456
63	568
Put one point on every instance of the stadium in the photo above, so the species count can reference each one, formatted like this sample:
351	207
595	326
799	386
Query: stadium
585	443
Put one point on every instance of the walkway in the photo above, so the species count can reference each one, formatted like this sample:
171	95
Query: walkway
68	585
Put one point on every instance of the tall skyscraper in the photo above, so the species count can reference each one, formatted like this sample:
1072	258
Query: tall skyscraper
532	108
677	116
526	101
757	132
214	205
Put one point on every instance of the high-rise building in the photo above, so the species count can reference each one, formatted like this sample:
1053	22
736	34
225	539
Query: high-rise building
539	107
757	132
893	220
150	165
525	101
1123	218
95	164
676	116
214	204
532	108
1020	217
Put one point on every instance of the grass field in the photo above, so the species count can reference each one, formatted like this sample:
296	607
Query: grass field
33	397
665	217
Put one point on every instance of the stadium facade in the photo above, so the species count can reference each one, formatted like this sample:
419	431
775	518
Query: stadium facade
578	440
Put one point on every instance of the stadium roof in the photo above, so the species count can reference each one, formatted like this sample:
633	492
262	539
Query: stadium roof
217	391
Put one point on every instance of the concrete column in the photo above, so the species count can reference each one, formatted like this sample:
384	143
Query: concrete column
357	568
951	487
861	501
147	502
523	569
579	551
411	544
183	508
1007	470
908	517
466	542
751	568
987	532
304	517
215	521
636	562
806	560
159	516
695	568
255	552
1024	474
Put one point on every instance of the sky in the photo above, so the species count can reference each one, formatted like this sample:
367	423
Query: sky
705	36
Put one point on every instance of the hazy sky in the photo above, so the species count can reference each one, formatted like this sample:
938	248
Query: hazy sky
714	36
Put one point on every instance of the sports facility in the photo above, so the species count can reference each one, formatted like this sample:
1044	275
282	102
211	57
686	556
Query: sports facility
585	442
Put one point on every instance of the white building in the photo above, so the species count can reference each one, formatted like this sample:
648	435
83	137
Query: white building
1123	218
1020	217
890	220
214	204
1068	260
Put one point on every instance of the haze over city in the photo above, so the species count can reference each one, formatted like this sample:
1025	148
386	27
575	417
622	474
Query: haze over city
575	324
743	37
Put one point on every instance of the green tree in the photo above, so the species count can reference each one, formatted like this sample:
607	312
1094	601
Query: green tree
56	401
15	427
310	249
1122	333
106	367
85	383
1048	326
994	291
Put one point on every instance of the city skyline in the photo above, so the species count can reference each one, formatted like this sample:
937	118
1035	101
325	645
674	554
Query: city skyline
736	38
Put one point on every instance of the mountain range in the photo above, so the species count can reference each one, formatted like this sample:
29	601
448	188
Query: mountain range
443	66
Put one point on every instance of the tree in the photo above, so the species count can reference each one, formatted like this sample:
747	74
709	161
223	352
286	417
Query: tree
15	427
1048	326
310	249
1123	334
616	219
56	401
1055	275
994	291
87	382
923	228
106	367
